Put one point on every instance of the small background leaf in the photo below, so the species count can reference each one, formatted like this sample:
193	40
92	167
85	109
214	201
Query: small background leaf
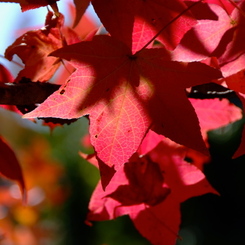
9	165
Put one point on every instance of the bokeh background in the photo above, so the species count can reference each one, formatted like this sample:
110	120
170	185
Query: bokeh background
60	182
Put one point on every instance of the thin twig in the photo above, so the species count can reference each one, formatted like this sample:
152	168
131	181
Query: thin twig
169	23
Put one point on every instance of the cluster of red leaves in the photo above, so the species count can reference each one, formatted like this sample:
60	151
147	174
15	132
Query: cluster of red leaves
132	83
157	178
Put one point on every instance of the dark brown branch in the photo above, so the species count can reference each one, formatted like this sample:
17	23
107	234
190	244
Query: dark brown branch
27	93
211	91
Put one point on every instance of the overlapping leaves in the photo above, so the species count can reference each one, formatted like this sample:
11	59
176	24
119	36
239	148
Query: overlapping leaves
149	188
119	91
134	92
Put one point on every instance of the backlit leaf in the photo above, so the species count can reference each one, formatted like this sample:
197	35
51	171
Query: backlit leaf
119	91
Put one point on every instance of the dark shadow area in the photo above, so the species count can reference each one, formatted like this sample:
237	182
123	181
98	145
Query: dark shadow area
211	219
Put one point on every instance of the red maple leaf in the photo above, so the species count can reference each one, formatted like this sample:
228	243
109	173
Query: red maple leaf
124	95
212	114
155	206
136	22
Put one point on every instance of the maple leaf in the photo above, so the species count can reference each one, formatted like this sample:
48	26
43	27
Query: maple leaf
212	114
156	219
125	95
136	22
33	48
10	167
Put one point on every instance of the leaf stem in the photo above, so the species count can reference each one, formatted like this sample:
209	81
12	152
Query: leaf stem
167	25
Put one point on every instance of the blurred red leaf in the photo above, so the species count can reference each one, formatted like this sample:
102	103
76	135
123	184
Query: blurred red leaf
6	77
80	7
86	24
33	48
9	165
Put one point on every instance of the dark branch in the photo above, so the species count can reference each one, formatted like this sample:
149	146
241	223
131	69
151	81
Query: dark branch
27	93
211	91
